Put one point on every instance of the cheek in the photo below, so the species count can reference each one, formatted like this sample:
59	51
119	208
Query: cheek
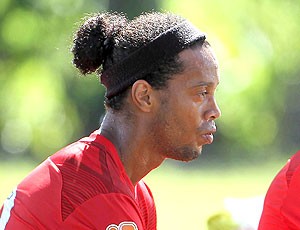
192	114
186	121
180	117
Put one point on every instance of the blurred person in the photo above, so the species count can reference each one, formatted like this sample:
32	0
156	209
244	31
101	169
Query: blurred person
160	75
281	209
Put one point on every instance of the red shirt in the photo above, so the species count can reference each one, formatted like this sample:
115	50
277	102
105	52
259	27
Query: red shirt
282	203
83	186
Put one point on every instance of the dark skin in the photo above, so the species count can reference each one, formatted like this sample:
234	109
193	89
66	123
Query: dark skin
169	123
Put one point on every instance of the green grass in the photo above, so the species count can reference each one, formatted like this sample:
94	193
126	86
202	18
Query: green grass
185	199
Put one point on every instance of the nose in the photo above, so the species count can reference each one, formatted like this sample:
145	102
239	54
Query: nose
213	111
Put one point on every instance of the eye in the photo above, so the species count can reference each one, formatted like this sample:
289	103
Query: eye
203	93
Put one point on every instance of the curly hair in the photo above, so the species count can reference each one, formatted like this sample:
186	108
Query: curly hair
106	39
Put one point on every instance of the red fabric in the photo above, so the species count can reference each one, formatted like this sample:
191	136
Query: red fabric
83	186
282	203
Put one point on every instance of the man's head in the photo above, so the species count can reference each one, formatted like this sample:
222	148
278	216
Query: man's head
106	42
160	65
186	120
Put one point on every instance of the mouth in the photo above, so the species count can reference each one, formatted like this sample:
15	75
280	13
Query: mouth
208	136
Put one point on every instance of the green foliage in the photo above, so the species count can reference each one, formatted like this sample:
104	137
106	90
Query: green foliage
38	112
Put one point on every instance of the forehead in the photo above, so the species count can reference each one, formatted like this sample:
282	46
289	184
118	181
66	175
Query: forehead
199	64
199	56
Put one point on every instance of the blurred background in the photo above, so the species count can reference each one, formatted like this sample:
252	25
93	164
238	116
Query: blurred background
45	104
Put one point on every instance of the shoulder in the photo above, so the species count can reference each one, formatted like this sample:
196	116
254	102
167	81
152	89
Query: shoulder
88	169
290	169
69	178
282	196
294	167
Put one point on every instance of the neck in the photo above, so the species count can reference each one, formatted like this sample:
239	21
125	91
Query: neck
133	144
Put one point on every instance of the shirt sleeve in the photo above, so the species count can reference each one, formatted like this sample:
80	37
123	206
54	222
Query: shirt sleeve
282	203
271	217
105	212
291	204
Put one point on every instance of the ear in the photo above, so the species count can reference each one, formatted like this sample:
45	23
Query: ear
142	95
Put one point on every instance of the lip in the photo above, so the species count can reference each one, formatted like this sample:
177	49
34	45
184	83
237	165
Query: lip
208	136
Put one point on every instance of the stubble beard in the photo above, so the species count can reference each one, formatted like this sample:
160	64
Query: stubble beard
169	147
166	139
184	153
167	142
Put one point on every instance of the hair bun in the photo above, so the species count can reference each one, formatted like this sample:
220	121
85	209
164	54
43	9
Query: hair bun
94	40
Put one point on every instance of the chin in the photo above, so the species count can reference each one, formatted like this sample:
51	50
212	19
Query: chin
186	154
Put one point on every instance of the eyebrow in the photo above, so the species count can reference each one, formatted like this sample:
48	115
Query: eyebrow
202	83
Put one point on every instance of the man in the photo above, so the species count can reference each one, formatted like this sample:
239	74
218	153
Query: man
282	203
160	77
